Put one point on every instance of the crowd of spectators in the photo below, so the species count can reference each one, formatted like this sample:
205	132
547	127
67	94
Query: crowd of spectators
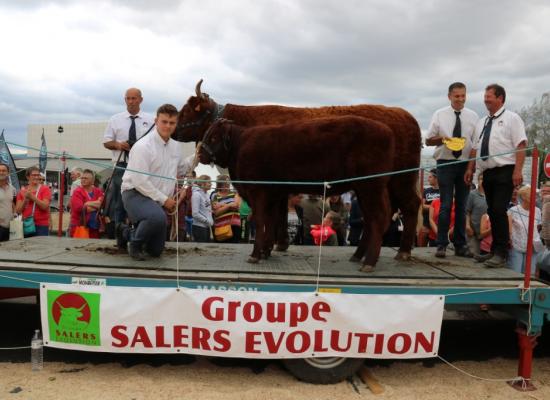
203	212
476	220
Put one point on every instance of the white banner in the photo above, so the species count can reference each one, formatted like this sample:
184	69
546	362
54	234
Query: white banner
240	324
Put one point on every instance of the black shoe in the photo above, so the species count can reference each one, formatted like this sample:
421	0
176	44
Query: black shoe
440	253
121	234
463	251
134	250
496	261
483	257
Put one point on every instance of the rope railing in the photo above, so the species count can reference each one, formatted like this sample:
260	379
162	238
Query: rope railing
264	182
326	184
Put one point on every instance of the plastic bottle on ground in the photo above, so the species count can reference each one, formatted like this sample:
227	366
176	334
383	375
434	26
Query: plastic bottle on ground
37	351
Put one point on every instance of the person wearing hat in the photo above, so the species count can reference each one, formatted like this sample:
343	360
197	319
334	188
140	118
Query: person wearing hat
451	131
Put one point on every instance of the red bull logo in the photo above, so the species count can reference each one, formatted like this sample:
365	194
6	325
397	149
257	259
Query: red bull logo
74	317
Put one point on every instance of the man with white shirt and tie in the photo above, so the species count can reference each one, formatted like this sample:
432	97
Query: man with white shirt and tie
453	121
148	185
500	142
122	131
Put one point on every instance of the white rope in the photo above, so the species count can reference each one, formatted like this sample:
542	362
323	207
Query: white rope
19	279
482	291
524	381
321	239
174	231
177	223
523	294
15	348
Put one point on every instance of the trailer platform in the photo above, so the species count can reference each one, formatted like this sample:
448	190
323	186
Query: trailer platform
24	264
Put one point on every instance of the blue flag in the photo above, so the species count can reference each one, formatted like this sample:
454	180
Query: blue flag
6	158
43	158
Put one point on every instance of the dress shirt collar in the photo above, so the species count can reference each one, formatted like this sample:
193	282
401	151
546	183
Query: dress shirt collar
499	112
157	138
139	114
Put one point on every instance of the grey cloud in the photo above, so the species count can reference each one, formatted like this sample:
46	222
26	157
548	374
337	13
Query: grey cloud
329	52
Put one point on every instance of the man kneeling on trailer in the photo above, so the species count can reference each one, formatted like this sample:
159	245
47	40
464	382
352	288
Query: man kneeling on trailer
148	183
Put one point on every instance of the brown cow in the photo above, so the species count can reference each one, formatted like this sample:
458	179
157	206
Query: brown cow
200	111
320	150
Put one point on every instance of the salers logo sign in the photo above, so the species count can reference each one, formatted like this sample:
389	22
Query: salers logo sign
74	317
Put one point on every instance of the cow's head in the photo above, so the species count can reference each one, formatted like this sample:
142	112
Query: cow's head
195	116
71	313
216	143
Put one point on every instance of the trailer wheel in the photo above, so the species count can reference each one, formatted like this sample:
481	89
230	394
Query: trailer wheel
323	370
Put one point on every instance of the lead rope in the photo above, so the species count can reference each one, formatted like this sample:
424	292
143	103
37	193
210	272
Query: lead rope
174	230
325	185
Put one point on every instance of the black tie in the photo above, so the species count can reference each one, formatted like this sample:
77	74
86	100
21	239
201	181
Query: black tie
485	134
457	132
132	132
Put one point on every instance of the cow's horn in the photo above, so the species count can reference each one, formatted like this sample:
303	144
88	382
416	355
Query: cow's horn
198	88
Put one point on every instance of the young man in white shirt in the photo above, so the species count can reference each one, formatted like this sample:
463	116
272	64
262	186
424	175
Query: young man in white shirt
121	133
148	184
500	139
454	120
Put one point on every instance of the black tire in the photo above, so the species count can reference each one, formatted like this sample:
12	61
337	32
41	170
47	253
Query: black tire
323	370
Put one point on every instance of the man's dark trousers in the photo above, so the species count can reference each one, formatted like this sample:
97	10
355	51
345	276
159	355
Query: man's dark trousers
116	198
149	220
451	180
498	186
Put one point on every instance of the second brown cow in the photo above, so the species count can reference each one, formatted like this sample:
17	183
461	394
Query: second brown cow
321	150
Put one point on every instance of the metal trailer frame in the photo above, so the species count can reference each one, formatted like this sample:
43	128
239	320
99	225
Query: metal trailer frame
459	280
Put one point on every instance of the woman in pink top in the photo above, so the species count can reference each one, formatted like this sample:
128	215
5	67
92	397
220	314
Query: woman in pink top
34	200
86	200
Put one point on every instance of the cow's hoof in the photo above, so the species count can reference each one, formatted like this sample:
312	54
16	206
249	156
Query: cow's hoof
367	268
253	260
281	247
403	256
354	259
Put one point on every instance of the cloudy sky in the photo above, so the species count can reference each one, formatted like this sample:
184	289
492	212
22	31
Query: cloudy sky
71	61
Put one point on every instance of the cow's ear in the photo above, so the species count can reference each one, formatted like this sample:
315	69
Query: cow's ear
198	108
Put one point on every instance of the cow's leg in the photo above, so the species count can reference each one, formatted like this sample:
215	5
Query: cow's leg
361	247
270	219
259	205
405	194
374	202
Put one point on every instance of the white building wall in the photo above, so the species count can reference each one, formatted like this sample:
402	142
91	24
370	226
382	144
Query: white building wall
83	140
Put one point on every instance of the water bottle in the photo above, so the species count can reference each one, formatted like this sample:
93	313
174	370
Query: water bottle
37	351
